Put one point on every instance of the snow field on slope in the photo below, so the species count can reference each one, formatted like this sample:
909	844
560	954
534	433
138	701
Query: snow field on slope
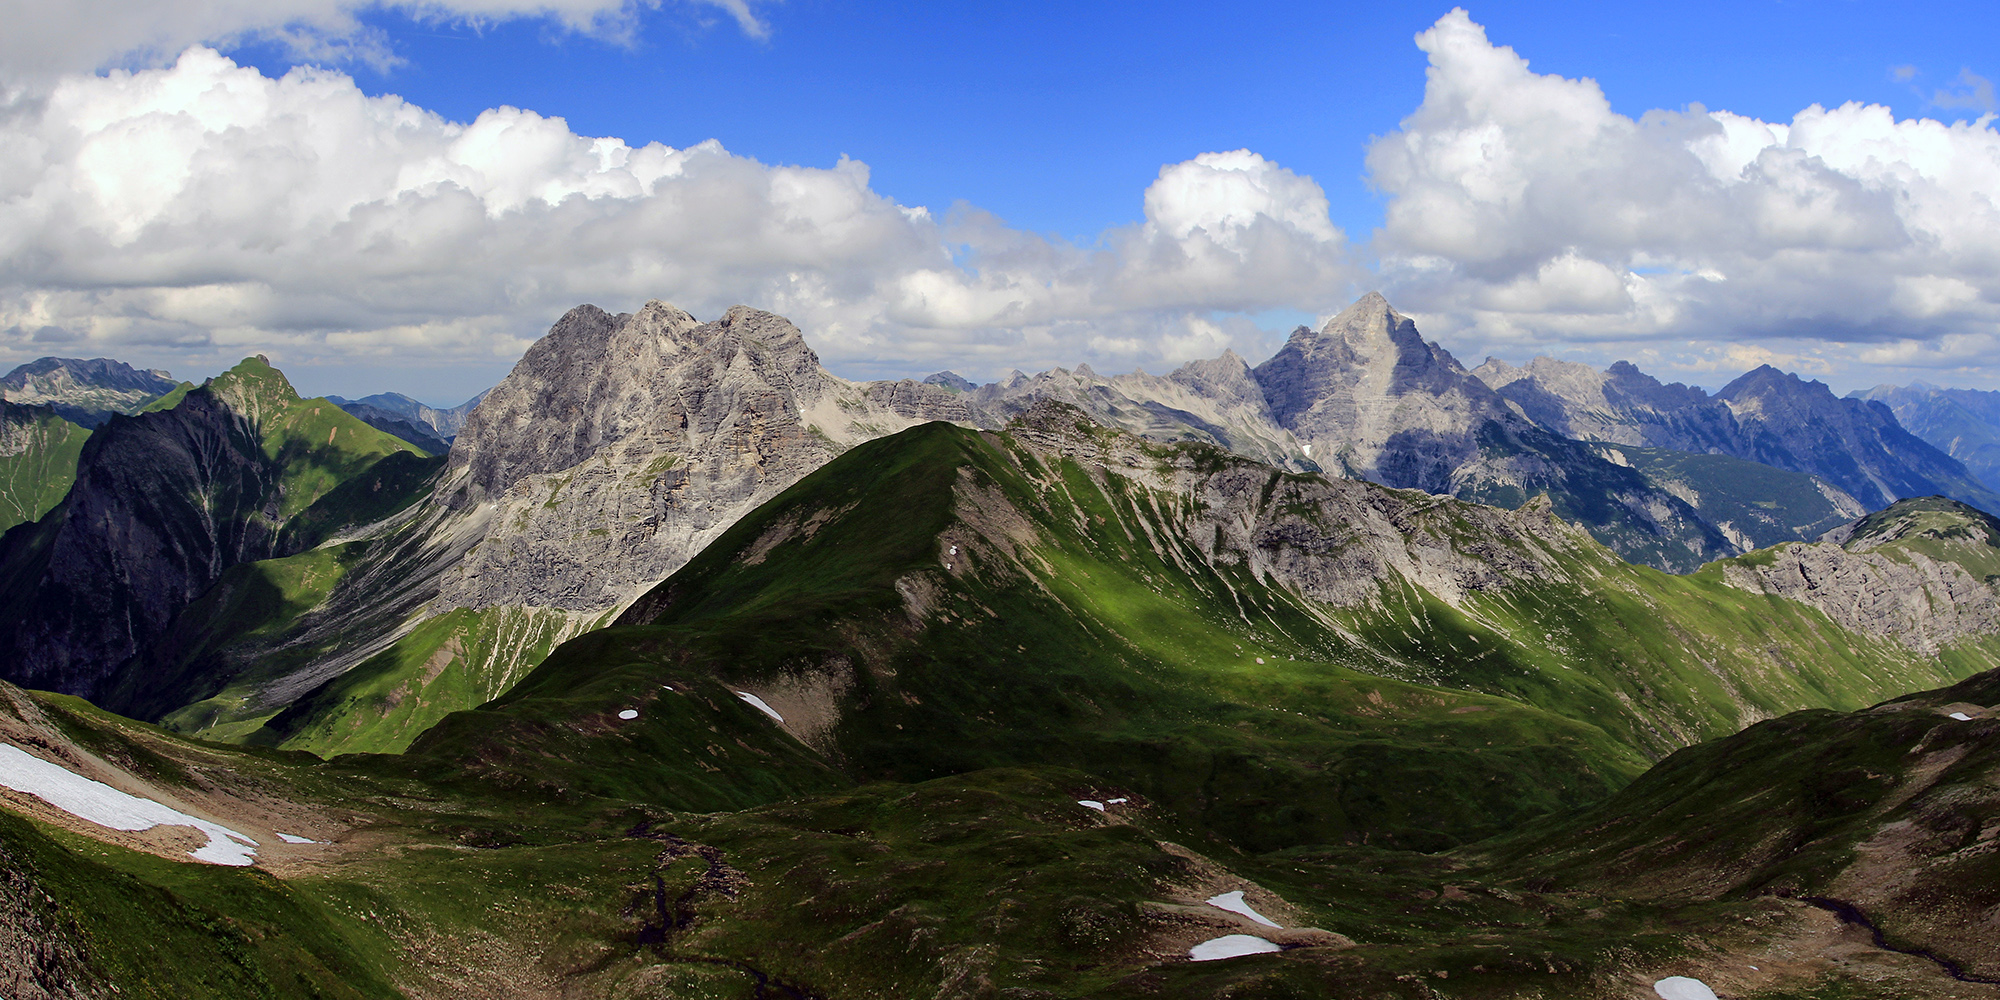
108	807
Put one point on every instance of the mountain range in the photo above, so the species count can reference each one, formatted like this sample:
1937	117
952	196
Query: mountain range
689	668
419	423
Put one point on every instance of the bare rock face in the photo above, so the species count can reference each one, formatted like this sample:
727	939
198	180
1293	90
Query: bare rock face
1214	401
1373	400
620	445
84	391
1910	573
1334	540
1620	405
1856	445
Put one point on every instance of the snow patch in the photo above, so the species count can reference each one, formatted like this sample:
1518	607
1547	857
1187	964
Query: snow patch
295	839
1230	946
1961	716
1233	902
1091	804
629	714
108	807
1683	988
1114	802
759	703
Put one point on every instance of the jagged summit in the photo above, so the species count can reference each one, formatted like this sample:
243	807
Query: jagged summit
86	391
1856	447
621	444
1337	378
949	380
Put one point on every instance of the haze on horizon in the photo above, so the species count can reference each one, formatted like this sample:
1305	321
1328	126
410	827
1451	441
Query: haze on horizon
402	198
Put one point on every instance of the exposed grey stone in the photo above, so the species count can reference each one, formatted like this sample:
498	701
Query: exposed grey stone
1871	584
620	445
85	391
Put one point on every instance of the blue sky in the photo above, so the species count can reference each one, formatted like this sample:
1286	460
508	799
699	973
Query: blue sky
984	186
1055	116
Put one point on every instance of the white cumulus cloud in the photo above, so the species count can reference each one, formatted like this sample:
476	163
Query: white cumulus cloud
1524	213
207	209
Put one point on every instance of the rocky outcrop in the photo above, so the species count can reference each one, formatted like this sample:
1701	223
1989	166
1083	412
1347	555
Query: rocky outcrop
1335	541
1215	402
620	445
1904	574
86	392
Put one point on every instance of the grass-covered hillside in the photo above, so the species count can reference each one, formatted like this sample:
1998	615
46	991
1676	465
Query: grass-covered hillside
1282	658
38	453
974	715
163	504
994	883
1891	812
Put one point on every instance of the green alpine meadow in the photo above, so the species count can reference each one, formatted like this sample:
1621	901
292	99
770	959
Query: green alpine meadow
965	707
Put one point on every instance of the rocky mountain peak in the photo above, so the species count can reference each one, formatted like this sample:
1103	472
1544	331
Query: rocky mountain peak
86	391
1765	381
619	445
950	380
1366	380
591	380
1227	377
1497	373
1368	352
1369	323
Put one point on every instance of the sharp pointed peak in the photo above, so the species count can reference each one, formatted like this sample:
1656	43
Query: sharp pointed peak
1372	309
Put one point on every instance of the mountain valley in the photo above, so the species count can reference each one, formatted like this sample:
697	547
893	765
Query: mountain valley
687	668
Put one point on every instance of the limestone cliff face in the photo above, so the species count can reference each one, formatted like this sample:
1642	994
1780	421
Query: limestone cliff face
1215	401
1919	573
1373	400
620	445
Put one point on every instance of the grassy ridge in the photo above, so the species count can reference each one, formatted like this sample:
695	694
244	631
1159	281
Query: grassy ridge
315	444
967	633
463	657
1089	632
37	462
